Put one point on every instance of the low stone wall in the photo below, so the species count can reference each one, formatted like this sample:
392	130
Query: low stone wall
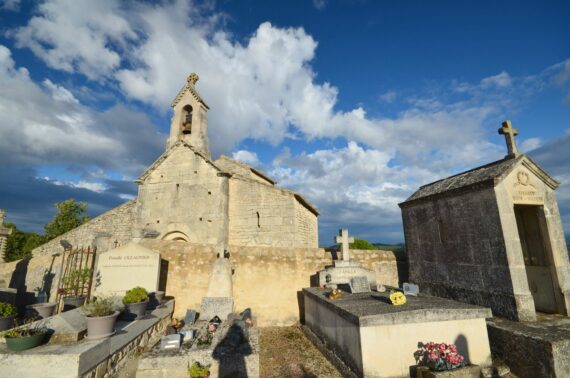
141	343
115	224
28	274
267	279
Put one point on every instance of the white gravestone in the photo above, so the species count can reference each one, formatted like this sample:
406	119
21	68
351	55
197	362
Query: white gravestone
128	266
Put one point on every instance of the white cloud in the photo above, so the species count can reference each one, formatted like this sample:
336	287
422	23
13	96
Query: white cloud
320	4
388	97
47	125
247	157
530	144
10	5
77	35
60	93
501	80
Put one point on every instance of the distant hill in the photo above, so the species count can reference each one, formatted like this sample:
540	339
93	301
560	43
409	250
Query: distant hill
390	247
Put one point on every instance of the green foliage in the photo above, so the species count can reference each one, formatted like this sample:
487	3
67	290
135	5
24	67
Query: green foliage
103	306
70	214
6	309
136	295
75	281
19	244
28	329
361	244
197	370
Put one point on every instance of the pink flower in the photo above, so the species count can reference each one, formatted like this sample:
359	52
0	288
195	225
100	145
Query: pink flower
452	348
211	328
442	347
433	356
430	346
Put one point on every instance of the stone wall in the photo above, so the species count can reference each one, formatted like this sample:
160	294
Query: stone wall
267	279
102	231
28	274
184	194
260	214
455	249
111	366
306	226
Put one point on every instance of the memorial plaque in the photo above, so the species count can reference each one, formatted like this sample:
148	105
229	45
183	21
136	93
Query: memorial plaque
128	266
170	342
359	284
190	317
411	289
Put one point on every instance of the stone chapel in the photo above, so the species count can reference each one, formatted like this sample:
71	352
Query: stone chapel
186	196
491	236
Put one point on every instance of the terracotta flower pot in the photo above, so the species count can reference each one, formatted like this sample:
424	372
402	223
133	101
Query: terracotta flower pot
7	322
99	327
43	310
26	342
71	302
135	310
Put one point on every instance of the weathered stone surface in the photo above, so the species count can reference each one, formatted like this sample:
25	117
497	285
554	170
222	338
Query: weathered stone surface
226	359
125	267
87	358
533	349
377	339
463	242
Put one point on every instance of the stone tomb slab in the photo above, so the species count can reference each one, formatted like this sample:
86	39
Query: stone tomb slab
376	339
533	349
128	266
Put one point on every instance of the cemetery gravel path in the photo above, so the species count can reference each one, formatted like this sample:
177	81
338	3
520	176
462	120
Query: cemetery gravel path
286	352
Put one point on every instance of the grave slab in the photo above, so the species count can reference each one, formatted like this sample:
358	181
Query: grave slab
87	357
533	349
377	339
125	267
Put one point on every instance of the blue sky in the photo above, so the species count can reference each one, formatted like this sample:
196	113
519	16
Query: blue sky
354	104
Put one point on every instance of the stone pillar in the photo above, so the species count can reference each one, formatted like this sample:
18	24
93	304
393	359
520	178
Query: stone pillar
4	232
219	298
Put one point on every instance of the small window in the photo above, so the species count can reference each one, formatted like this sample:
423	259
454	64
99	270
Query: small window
441	231
258	222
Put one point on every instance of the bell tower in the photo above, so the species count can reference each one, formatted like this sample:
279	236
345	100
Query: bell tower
190	120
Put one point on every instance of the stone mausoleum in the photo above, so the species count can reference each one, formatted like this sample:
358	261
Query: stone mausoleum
491	236
186	196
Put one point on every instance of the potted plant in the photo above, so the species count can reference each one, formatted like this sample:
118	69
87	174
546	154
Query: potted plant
7	315
197	370
74	283
101	316
434	359
135	301
42	310
28	336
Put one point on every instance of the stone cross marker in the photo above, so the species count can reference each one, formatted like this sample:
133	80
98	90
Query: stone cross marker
343	239
509	132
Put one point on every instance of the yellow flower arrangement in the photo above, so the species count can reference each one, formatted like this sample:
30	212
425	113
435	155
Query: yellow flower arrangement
397	298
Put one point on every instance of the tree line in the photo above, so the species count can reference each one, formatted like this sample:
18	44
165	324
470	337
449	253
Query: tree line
69	214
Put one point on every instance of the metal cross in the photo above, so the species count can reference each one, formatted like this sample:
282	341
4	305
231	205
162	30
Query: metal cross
510	133
343	239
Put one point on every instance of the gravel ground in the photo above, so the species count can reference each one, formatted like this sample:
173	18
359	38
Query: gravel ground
286	352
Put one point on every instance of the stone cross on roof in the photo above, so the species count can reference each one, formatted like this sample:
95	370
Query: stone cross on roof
192	78
510	133
344	240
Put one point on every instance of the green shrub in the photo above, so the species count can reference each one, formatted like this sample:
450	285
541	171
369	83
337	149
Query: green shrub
100	307
136	295
197	370
76	280
6	309
361	244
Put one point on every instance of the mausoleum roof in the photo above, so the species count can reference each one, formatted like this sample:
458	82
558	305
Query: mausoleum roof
489	174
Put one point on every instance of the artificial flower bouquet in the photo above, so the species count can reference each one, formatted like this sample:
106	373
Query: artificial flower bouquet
397	298
439	356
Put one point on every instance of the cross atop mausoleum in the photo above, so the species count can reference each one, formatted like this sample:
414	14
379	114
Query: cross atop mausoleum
343	239
509	132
